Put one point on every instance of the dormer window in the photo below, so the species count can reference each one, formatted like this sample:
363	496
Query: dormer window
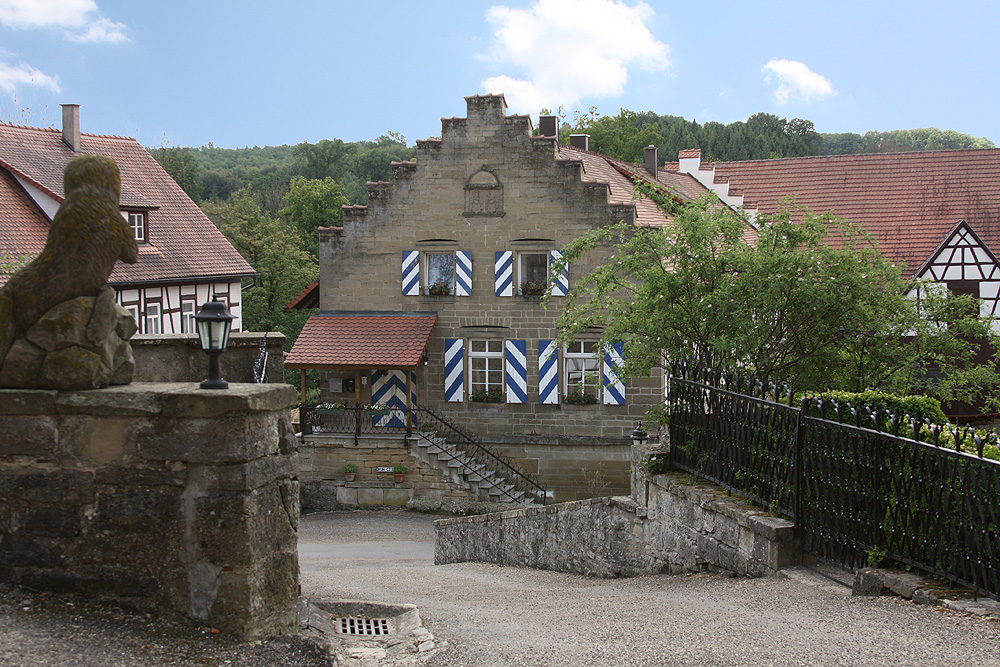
139	222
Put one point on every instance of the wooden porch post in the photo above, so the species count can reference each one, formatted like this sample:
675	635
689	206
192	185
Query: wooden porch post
409	405
302	401
357	386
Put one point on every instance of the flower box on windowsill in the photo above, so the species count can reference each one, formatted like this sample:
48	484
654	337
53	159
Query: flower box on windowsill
446	298
370	411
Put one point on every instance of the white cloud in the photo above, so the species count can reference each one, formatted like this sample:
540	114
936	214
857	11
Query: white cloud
570	49
13	77
78	19
797	81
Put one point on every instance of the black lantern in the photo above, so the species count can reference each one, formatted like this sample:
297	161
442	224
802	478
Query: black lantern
639	435
213	322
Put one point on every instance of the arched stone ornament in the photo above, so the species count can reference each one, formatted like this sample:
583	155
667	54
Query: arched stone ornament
60	326
483	194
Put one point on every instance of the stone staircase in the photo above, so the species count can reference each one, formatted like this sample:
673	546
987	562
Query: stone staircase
486	475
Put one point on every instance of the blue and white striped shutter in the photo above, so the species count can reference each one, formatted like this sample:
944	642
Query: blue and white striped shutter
548	372
463	273
454	370
560	282
411	272
614	387
503	273
516	362
389	388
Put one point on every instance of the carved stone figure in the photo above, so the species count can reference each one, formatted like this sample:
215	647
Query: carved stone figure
60	327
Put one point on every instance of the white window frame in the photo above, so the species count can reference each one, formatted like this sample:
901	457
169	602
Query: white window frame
188	309
492	350
573	375
522	267
138	221
151	319
427	273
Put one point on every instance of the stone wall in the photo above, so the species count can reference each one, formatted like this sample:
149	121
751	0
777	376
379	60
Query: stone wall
164	497
322	458
178	357
668	525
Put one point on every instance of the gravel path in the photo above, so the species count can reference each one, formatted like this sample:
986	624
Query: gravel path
497	616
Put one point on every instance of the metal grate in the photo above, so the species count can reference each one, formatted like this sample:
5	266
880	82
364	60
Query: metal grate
366	627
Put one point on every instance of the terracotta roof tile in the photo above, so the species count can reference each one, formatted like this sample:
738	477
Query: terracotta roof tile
907	201
23	226
362	339
188	244
308	298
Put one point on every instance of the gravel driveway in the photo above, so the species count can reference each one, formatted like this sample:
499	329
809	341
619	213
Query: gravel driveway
496	616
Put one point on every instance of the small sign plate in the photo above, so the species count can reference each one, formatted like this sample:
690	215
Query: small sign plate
383	469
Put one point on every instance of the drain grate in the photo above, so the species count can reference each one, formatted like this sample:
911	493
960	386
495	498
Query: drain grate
365	627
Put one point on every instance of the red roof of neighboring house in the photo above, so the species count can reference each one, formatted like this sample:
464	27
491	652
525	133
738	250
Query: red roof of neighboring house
907	201
23	227
618	175
362	340
309	298
183	242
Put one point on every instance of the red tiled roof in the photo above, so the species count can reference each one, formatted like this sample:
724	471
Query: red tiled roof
23	226
617	174
309	298
187	244
362	340
907	201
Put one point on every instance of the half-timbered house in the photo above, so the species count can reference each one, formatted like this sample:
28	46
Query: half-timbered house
183	258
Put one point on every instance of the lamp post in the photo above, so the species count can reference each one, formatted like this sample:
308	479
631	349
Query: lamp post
639	435
213	322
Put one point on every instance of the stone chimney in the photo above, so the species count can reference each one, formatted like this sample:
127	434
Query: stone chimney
547	126
580	141
651	160
71	126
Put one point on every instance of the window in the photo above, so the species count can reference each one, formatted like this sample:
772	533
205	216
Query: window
583	367
187	317
137	221
440	272
533	273
152	318
486	367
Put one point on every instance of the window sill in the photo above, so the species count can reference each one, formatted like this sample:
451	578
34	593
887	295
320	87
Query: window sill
442	298
573	407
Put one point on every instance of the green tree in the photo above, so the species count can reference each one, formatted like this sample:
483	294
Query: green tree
781	301
325	158
623	136
313	203
283	268
182	166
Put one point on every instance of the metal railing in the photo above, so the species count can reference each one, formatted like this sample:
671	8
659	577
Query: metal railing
862	487
477	458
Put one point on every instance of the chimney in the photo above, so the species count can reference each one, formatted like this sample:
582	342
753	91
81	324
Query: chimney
651	160
71	126
580	141
547	126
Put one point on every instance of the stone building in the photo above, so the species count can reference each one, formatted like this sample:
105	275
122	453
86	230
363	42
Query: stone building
428	296
183	258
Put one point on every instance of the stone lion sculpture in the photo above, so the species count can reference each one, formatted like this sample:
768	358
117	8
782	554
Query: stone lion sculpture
60	327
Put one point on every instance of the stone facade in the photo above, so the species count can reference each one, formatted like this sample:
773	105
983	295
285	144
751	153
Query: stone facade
667	525
486	186
164	497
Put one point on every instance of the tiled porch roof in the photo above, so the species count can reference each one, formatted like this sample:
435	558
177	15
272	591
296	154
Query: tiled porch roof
362	340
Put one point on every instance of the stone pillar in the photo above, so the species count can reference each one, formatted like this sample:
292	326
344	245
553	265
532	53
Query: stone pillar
179	501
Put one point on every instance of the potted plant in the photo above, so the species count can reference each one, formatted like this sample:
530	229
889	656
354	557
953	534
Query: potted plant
398	471
439	288
350	470
494	395
330	409
579	397
377	409
532	288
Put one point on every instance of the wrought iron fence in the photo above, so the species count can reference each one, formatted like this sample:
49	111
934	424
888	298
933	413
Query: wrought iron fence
857	491
357	419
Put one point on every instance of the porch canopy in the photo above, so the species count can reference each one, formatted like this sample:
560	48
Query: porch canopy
360	340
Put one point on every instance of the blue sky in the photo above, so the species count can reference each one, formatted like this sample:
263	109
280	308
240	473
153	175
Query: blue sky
265	73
